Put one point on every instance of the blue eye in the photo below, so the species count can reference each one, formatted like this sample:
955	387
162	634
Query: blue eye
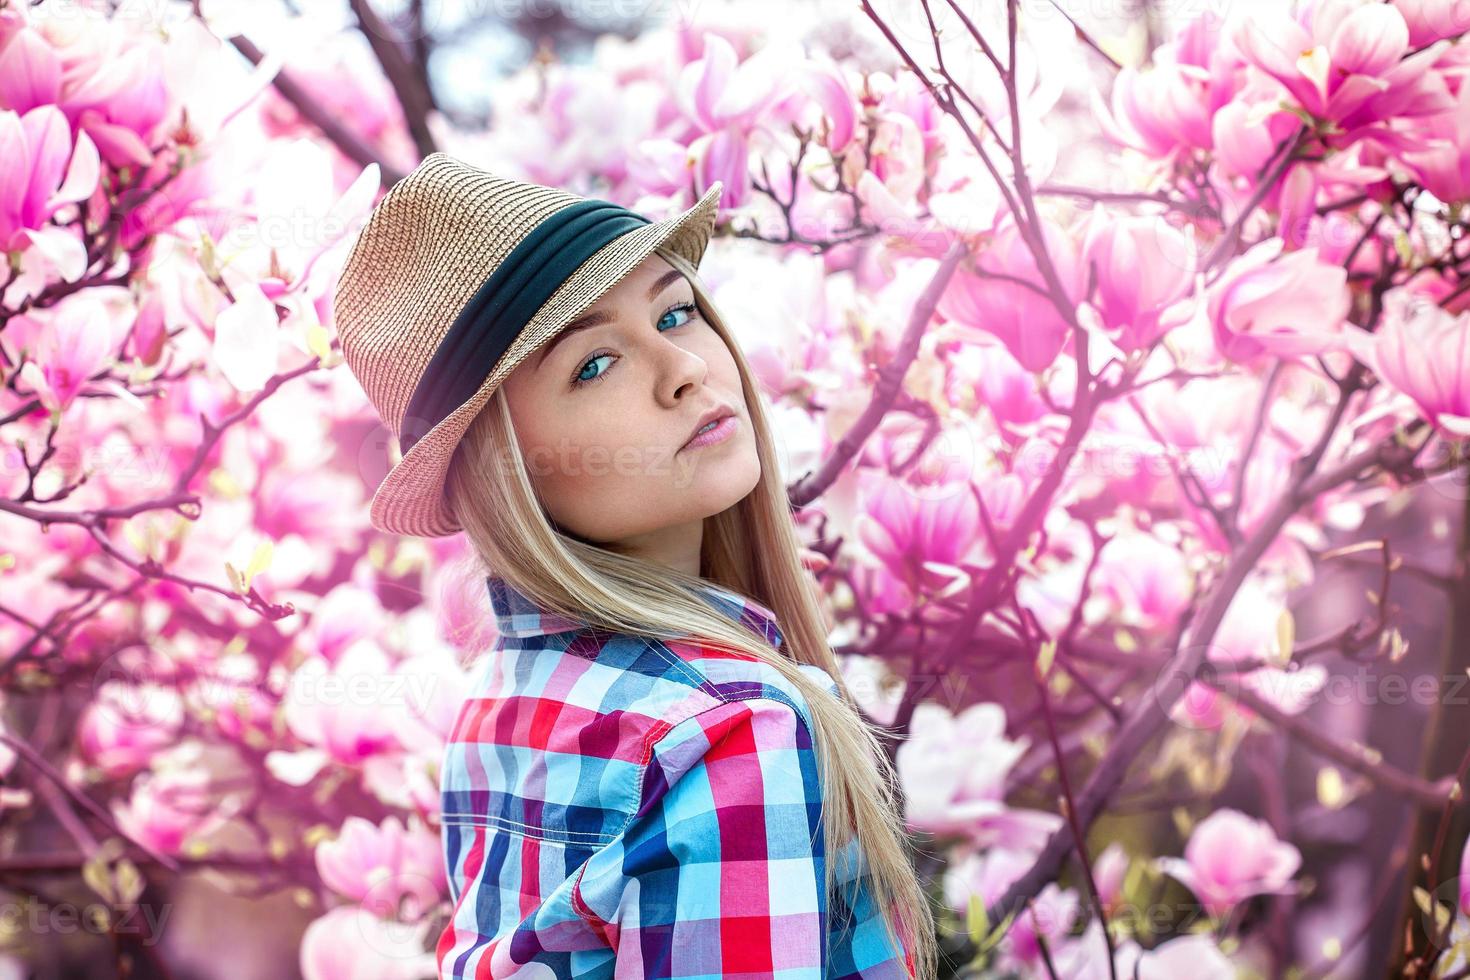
583	378
688	308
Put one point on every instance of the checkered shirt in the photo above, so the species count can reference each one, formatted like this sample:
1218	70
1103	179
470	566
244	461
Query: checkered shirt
617	806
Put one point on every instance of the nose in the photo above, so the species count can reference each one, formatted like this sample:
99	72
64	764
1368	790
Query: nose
683	371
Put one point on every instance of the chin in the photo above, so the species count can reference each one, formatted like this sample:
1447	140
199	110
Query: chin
718	483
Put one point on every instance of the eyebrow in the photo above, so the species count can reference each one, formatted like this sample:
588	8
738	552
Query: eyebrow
599	317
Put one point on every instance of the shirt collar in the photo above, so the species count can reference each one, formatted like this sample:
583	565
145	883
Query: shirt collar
516	614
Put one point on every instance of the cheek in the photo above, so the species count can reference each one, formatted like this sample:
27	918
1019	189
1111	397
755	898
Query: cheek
587	457
723	374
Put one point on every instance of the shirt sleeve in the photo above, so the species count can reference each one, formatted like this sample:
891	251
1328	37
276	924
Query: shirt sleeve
720	871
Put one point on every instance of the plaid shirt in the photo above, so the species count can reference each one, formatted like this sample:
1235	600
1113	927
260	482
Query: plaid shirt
614	806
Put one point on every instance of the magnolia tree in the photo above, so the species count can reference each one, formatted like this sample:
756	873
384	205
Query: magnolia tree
1100	363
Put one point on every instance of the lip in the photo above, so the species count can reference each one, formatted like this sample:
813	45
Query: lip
713	415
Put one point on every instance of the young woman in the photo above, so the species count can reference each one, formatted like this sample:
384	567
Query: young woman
658	771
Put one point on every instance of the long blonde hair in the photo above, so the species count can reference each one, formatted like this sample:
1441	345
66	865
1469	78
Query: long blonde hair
752	548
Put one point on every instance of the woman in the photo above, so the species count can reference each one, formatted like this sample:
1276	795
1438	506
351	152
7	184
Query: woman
650	776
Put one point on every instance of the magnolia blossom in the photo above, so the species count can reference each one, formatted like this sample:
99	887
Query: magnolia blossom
1444	168
461	606
351	942
905	527
347	710
111	86
1169	105
729	99
1348	62
1147	580
71	343
1144	266
1049	918
982	877
406	780
234	693
1424	352
1266	302
126	724
385	866
953	770
170	809
987	374
343	616
1023	317
873	685
1430	20
1230	857
42	168
1108	871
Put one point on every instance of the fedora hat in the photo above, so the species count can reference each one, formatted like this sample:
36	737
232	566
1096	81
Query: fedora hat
458	275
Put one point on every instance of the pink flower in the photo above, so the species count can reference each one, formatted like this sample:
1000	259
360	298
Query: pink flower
350	942
1244	142
121	102
998	382
1147	580
126	724
344	615
41	168
339	708
1346	63
1144	266
1444	169
1430	20
385	866
1050	917
721	92
824	88
953	770
1025	320
982	876
458	597
234	692
1424	352
906	527
116	93
1195	956
72	343
30	71
1108	870
1171	104
1248	634
1267	303
1230	857
169	809
728	100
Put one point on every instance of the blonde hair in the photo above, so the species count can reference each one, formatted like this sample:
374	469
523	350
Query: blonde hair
752	548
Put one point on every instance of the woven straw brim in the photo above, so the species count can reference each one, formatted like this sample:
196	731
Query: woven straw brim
411	498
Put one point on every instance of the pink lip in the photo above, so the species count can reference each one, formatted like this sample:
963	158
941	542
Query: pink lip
723	430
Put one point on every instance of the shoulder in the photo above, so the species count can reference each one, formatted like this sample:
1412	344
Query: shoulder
597	709
663	682
716	678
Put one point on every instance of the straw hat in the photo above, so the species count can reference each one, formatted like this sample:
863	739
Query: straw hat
459	274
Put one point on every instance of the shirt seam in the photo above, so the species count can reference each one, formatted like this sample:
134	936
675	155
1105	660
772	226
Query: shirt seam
524	829
700	681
